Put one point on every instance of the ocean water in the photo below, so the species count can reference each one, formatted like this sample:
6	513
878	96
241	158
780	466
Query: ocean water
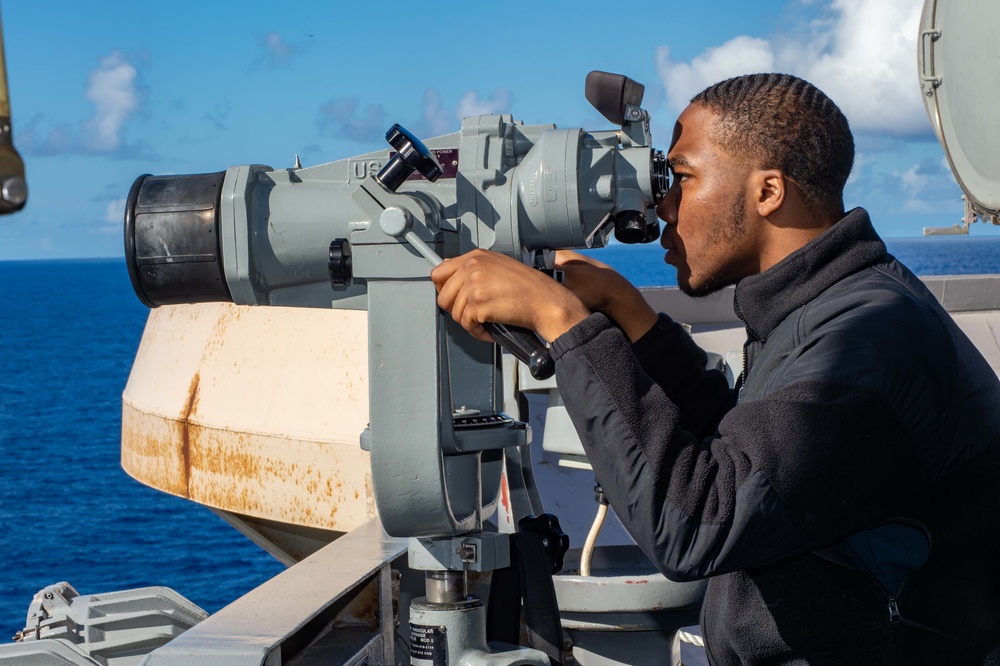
68	333
941	255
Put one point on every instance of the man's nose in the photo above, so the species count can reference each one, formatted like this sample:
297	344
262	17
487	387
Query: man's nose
666	210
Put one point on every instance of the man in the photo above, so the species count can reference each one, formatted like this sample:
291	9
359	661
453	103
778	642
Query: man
843	498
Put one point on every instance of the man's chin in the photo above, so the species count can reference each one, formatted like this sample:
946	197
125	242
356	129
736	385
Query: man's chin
699	288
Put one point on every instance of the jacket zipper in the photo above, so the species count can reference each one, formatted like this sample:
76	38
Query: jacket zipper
894	615
752	339
744	371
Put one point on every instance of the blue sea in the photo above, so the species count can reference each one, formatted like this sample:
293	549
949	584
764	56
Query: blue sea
68	334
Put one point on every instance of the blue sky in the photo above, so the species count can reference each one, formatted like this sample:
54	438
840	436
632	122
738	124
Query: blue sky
104	92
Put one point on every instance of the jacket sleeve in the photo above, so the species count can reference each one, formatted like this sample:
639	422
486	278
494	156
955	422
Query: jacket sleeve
676	364
808	465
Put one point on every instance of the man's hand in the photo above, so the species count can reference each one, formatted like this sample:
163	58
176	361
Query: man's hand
603	289
483	286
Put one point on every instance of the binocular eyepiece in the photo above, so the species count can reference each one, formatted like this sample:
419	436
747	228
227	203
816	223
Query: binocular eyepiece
634	226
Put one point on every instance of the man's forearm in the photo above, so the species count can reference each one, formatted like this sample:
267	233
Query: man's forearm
633	316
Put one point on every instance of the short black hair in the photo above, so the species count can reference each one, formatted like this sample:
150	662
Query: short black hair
783	122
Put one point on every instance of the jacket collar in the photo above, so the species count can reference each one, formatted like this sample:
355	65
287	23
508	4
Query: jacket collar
763	301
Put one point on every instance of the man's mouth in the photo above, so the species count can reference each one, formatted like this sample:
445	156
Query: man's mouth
668	244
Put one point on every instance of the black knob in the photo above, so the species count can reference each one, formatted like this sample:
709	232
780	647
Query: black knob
554	541
341	266
411	155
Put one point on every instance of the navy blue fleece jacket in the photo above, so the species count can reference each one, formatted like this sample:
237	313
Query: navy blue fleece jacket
844	499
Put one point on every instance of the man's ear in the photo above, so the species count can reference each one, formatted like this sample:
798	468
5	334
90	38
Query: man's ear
770	189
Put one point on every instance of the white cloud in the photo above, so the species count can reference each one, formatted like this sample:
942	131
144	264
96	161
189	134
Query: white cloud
871	66
279	51
112	89
863	57
350	118
474	105
861	162
344	117
438	119
741	55
927	188
912	180
913	184
115	211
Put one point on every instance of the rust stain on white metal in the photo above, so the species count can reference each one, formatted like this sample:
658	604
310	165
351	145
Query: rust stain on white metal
185	420
291	481
253	410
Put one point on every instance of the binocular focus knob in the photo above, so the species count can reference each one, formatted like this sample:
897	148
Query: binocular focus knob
411	155
341	263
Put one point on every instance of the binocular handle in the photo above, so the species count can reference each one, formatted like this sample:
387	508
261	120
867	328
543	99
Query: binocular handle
519	341
525	346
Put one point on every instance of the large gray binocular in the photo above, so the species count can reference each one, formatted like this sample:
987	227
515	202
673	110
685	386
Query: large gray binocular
256	235
358	233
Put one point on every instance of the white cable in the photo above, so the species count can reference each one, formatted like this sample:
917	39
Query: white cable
588	547
693	639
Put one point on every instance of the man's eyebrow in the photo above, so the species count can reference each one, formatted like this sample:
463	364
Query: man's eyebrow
678	160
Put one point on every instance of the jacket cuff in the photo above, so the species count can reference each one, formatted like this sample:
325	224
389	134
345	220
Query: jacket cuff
581	334
664	334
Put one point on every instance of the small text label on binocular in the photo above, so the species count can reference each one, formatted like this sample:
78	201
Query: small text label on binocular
361	169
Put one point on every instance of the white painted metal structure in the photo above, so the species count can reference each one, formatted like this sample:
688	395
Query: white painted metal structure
222	410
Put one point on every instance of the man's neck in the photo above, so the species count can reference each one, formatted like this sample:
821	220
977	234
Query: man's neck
789	229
